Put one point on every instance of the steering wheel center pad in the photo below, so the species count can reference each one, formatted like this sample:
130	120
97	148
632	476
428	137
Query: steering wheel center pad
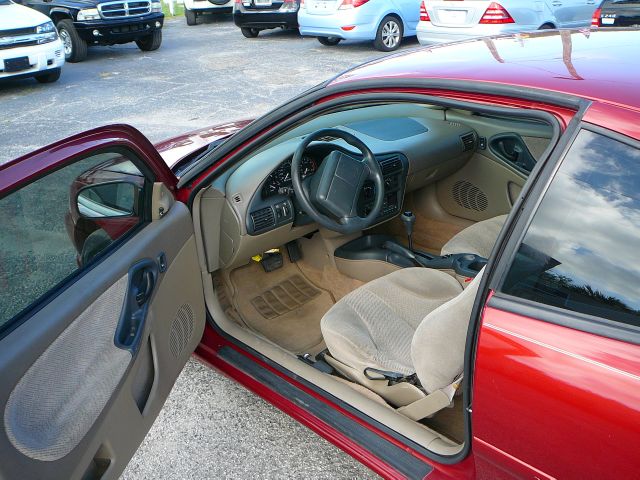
338	183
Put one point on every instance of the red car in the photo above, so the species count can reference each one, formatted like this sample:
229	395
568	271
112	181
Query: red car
429	260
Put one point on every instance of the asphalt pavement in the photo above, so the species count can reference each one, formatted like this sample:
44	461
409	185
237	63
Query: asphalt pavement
201	76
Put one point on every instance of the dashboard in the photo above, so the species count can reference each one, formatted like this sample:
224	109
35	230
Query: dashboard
415	146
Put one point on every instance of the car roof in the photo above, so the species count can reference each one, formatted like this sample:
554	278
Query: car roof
595	64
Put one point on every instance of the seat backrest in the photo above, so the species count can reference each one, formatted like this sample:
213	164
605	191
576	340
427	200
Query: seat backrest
478	238
437	347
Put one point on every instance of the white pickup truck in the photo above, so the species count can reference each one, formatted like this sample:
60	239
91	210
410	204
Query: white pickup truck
29	44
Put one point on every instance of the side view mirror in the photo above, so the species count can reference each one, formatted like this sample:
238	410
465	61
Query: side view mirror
108	200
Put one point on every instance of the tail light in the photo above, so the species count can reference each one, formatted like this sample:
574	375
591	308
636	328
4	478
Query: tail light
424	15
290	6
347	4
496	14
595	20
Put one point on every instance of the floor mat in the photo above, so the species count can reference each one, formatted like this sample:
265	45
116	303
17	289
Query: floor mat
283	305
449	421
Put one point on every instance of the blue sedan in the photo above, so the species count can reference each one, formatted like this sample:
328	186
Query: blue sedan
385	22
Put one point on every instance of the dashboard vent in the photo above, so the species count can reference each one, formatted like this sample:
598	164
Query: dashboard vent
390	165
263	219
468	141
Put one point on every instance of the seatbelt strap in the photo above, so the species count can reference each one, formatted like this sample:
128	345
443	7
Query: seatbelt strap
432	403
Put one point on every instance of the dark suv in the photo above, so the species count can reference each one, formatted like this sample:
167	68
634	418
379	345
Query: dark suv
94	22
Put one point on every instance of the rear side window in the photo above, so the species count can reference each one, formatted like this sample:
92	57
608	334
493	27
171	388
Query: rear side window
60	223
580	252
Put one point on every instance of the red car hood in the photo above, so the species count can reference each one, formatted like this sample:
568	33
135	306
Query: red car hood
175	149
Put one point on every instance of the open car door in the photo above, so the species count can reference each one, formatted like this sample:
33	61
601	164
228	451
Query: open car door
101	303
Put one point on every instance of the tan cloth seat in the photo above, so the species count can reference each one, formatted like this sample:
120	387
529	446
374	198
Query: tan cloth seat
478	238
411	321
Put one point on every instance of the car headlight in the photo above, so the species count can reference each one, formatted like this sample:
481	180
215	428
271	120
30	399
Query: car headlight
88	14
156	7
46	33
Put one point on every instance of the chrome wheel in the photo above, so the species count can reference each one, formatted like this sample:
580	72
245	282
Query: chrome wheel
66	42
391	34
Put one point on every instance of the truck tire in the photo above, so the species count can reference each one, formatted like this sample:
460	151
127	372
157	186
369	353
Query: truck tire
389	35
250	32
190	16
49	77
150	42
329	41
75	48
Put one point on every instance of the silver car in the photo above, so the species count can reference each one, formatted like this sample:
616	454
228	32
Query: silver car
448	20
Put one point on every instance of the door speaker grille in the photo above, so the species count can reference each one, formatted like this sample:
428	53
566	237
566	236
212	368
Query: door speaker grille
181	330
469	196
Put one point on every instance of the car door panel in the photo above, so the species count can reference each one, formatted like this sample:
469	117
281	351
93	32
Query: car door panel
70	377
571	392
87	368
489	184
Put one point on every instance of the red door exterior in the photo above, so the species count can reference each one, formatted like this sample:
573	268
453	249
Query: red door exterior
553	402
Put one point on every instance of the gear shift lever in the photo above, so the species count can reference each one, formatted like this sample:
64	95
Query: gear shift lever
408	219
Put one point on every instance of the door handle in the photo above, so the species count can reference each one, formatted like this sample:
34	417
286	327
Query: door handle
556	4
143	277
144	288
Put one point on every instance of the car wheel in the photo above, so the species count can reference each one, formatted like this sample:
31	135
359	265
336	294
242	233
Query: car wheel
250	32
547	26
49	77
329	41
150	42
389	34
190	16
75	48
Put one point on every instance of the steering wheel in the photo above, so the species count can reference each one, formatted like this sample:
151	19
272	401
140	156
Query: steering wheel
330	197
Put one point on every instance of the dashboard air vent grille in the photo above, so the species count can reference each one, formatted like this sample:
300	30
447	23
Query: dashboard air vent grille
468	141
390	165
263	219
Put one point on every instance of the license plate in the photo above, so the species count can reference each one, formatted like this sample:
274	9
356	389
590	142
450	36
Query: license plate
452	16
322	5
16	64
608	20
262	3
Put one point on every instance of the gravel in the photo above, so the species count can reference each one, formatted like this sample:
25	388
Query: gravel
201	76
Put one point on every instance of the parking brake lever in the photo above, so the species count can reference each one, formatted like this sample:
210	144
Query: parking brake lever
405	252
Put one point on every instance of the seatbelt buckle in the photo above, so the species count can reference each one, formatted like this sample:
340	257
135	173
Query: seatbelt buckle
392	377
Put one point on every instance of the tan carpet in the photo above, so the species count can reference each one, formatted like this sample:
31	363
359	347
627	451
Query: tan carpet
283	305
449	422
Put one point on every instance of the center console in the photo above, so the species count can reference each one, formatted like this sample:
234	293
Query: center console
371	255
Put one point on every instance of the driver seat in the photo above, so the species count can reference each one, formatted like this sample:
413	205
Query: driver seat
412	321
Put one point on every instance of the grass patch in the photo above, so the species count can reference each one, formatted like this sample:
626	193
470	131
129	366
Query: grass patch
178	10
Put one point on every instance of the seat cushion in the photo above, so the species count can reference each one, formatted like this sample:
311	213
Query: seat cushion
478	238
373	326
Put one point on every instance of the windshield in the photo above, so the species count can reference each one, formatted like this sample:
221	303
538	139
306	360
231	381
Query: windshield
5	2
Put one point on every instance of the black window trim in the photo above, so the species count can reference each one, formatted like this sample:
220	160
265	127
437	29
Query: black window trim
528	308
145	216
